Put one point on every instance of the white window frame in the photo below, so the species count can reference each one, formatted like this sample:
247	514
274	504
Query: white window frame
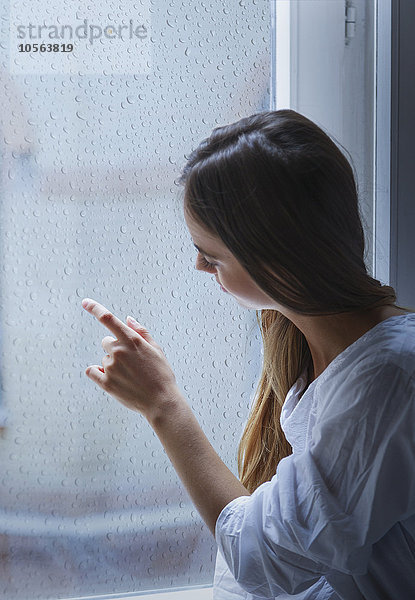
185	593
382	179
284	47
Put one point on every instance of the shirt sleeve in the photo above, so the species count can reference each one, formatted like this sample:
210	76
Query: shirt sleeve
325	508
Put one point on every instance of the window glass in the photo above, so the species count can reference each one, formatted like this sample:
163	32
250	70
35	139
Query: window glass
92	140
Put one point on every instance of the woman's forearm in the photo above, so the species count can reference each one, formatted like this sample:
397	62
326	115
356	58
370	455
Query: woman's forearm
209	482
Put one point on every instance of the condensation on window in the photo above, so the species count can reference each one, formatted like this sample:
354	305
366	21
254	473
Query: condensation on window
89	501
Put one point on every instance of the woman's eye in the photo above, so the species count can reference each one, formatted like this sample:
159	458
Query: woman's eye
206	264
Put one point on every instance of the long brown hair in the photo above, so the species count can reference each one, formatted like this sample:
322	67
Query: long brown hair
278	191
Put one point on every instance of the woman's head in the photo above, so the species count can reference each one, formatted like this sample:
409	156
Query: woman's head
277	199
282	198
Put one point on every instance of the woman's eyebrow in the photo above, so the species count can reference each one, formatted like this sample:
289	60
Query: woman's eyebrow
206	253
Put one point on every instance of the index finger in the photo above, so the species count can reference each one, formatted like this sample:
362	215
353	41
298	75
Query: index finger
106	317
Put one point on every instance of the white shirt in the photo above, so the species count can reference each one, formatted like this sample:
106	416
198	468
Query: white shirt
337	520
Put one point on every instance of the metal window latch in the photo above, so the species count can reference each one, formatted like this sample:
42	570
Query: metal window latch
350	25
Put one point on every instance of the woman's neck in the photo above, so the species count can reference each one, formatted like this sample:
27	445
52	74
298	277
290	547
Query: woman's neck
329	335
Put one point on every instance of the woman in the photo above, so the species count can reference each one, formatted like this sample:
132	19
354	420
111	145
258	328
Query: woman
325	504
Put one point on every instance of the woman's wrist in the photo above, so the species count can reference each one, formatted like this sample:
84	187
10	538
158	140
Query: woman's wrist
165	406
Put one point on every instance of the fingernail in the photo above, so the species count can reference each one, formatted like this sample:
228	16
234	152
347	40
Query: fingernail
132	320
85	302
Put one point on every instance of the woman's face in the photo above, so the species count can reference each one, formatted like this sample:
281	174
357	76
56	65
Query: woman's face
226	269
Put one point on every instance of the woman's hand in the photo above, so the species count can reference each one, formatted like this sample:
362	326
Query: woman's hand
135	370
137	373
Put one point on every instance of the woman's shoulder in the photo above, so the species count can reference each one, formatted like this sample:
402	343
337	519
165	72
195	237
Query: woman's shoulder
390	342
381	364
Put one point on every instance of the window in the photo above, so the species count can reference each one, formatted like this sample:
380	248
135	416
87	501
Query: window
91	143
